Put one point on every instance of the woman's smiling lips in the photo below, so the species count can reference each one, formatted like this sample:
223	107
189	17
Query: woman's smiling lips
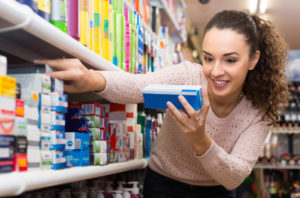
220	83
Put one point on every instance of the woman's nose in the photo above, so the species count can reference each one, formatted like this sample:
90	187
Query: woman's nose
217	69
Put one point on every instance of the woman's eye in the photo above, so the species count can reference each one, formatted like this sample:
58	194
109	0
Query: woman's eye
207	59
230	60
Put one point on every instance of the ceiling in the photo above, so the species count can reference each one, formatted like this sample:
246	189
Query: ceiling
285	14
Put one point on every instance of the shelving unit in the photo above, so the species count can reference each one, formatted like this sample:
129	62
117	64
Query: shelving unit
276	166
16	183
170	21
286	132
40	39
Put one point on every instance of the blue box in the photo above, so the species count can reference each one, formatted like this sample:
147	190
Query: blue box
156	96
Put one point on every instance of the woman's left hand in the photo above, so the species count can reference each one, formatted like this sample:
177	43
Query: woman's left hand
192	123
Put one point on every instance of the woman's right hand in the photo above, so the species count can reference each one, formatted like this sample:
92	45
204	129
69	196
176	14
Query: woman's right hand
77	78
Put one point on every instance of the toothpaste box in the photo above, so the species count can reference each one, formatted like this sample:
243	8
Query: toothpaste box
8	86
57	85
20	162
59	159
58	141
156	96
99	146
98	134
46	159
20	108
77	158
57	121
77	141
33	135
91	109
32	114
20	127
45	102
34	158
7	150
99	158
93	121
32	85
59	102
7	115
28	68
45	142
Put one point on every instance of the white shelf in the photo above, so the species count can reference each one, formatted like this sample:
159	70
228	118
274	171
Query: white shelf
286	132
40	39
16	183
171	22
276	166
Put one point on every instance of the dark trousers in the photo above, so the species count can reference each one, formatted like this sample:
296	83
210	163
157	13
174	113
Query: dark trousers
159	186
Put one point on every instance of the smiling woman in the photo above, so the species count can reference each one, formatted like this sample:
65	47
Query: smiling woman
205	153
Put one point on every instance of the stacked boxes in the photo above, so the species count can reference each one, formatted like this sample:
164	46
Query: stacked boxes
45	119
35	91
77	139
7	118
20	131
93	113
59	107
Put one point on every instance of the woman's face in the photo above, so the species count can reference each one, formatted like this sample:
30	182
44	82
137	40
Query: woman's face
226	62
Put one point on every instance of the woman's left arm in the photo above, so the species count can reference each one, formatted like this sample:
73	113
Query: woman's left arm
230	169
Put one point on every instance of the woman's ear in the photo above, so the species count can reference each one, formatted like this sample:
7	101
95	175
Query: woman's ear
254	60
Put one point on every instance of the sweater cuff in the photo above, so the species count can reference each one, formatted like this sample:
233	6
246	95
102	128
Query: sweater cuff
211	153
104	91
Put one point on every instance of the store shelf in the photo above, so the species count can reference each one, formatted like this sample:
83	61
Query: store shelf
17	183
286	132
171	23
40	39
276	166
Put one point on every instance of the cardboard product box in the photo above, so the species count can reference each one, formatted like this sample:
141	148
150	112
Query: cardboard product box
8	86
58	140
20	108
7	115
7	150
34	158
156	96
92	109
46	159
32	86
59	102
20	126
99	158
78	158
93	121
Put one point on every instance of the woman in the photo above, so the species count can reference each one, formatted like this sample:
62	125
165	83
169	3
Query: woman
206	153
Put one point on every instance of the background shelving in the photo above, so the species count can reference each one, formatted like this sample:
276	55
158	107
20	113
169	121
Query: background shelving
169	20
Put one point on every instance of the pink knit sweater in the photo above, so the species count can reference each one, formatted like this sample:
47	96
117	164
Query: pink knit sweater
237	139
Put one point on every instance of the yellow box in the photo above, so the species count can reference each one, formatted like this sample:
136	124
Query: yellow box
8	86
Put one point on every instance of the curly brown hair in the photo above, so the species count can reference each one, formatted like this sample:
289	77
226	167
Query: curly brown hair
266	86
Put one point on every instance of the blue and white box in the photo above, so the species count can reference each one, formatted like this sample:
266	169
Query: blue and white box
156	96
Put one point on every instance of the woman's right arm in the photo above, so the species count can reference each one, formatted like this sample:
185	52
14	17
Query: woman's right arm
119	87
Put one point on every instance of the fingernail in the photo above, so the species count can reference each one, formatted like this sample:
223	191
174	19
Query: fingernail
36	60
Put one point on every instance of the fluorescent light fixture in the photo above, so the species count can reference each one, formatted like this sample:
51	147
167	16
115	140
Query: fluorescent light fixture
253	6
258	6
262	6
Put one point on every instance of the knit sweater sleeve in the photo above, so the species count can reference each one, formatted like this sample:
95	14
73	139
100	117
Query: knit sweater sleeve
126	88
230	169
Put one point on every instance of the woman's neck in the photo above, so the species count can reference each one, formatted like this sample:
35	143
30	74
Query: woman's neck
223	107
